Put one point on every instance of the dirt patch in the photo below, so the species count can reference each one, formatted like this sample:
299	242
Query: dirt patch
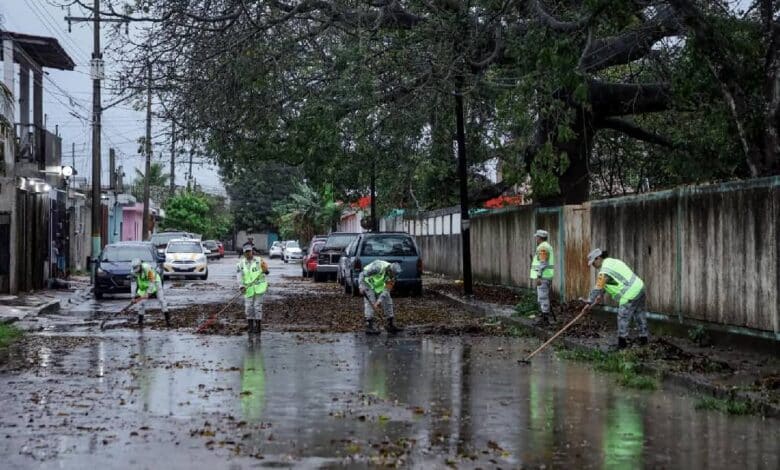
492	294
329	311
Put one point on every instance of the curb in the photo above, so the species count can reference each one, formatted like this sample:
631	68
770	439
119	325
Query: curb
693	384
48	308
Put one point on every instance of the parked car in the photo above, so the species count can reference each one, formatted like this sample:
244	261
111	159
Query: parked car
291	251
186	257
394	247
276	251
343	270
113	270
328	259
309	264
214	249
160	241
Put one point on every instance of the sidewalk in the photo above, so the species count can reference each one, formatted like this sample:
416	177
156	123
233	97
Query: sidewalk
730	368
28	306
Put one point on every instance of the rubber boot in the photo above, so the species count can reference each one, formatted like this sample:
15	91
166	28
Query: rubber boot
643	340
370	328
250	326
140	321
258	326
391	328
542	321
167	319
622	343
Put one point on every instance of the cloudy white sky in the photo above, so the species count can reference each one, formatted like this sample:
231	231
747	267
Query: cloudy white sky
70	92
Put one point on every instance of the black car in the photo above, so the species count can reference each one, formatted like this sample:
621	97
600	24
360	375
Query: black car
329	255
113	269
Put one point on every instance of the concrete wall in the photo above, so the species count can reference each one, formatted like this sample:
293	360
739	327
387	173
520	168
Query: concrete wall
706	253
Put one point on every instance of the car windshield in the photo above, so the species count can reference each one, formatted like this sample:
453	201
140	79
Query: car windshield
389	245
276	245
292	245
339	241
184	247
126	253
164	238
210	245
317	247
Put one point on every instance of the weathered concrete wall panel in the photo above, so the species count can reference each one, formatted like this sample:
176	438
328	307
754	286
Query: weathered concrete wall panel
641	232
576	276
729	255
706	253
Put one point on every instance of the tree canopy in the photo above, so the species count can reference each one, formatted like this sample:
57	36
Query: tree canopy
585	97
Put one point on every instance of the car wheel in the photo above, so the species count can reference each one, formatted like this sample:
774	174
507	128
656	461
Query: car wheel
206	276
417	290
98	295
304	274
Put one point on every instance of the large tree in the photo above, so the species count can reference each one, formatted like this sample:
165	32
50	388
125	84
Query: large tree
545	82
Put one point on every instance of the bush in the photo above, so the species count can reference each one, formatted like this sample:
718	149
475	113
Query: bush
8	334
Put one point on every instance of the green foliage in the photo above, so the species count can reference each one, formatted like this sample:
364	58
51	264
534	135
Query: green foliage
306	213
528	304
625	364
730	406
199	213
8	334
158	184
699	335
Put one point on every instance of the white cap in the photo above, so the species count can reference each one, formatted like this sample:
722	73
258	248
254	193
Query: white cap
135	264
593	255
395	268
247	248
541	233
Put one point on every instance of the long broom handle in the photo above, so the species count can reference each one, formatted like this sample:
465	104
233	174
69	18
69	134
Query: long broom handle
583	312
211	319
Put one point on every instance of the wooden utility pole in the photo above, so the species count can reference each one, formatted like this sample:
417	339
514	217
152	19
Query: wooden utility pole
189	174
97	213
465	222
374	220
145	223
96	71
173	159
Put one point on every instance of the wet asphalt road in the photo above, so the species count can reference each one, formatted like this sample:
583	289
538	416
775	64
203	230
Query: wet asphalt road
122	398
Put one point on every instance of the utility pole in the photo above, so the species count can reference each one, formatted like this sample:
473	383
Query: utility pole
374	221
97	75
465	222
173	159
145	224
112	170
189	174
73	155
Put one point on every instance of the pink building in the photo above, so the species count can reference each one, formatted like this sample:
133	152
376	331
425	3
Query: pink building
132	222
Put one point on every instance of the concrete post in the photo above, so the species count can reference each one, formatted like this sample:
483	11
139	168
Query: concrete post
8	64
24	96
38	98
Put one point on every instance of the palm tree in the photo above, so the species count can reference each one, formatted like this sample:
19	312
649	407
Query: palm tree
157	179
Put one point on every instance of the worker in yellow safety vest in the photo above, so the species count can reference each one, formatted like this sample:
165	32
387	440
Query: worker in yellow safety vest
250	273
146	284
542	273
619	281
375	282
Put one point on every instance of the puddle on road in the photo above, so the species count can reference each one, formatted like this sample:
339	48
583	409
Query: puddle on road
311	400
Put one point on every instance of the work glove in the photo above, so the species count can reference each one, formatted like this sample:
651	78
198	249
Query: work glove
538	282
242	288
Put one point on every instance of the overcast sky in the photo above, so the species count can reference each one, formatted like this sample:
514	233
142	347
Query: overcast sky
67	92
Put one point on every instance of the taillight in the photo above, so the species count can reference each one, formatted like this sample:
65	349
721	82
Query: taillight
419	266
358	264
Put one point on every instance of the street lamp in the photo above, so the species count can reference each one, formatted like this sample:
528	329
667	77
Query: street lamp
67	171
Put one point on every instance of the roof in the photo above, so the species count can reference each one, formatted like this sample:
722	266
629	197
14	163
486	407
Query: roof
45	51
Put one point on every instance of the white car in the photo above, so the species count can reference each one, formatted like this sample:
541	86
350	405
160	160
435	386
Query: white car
276	250
291	251
185	258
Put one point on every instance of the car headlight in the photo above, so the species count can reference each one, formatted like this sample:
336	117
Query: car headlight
101	272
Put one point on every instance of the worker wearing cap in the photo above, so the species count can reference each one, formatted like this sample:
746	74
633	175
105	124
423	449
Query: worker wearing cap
375	282
616	279
542	273
146	284
250	273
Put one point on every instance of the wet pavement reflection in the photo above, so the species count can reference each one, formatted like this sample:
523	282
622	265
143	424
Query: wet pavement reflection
310	400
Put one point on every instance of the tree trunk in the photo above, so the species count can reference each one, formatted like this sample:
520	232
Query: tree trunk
574	183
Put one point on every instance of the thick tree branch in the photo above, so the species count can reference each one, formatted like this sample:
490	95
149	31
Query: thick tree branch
620	99
631	45
632	130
